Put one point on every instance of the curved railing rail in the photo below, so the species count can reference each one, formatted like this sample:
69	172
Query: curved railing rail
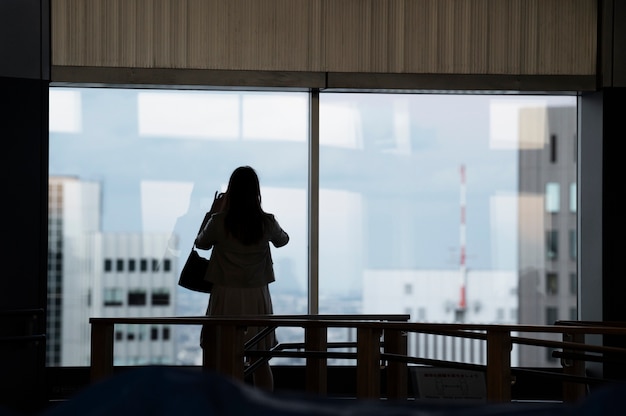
380	338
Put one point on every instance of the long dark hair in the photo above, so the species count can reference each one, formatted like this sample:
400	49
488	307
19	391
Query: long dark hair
244	216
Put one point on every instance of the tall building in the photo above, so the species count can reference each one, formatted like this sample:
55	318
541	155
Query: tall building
73	220
95	274
547	222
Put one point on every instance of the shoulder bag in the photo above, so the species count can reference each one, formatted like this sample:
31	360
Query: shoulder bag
193	273
194	270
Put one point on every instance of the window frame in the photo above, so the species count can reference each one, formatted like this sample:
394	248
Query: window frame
313	278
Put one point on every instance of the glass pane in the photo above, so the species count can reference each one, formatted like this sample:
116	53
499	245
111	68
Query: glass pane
132	173
445	195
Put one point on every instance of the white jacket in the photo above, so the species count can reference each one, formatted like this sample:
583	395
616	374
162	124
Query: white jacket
234	264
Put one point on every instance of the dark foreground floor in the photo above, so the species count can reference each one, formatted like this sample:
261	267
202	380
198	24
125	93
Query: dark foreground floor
171	391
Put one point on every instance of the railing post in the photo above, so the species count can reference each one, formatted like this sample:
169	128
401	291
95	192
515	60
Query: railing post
315	339
368	363
498	365
210	347
396	343
573	391
101	350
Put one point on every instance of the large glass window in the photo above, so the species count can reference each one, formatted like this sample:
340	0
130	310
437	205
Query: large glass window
427	203
138	170
445	194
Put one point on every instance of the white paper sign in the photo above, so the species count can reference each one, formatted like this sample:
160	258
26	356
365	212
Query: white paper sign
449	384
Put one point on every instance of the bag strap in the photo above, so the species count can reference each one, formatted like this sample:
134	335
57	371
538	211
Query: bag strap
204	221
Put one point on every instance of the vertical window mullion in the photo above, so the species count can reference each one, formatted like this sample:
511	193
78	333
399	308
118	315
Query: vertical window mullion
313	217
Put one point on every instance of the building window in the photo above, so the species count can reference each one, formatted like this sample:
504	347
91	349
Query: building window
154	333
113	296
167	265
552	197
408	288
552	283
160	297
155	265
166	333
551	315
137	297
573	284
120	330
143	332
572	198
573	250
132	265
119	265
143	265
553	148
108	265
552	246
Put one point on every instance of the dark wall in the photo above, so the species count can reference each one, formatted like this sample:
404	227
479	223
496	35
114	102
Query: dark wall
24	169
618	54
614	232
24	79
614	228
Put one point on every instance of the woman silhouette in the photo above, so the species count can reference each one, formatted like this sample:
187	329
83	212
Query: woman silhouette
241	267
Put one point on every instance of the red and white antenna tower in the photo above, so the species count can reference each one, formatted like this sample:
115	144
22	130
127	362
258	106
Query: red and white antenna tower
463	267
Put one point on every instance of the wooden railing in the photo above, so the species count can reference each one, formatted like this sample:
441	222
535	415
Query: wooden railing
380	338
228	331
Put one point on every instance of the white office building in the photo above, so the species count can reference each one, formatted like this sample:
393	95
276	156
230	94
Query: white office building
444	296
136	280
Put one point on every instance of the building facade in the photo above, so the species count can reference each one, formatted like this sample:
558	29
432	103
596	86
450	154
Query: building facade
547	210
73	220
91	274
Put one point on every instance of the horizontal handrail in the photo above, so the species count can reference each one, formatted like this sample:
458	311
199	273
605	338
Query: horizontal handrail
587	357
560	376
568	345
257	320
620	324
320	321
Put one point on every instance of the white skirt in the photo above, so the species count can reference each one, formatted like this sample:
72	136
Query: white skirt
235	301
